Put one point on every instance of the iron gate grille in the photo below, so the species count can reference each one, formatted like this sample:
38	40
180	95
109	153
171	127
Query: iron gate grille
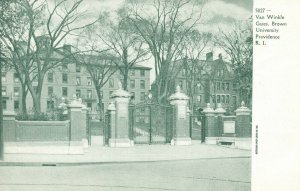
151	123
197	127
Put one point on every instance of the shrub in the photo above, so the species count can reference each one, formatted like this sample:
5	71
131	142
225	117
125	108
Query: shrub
51	116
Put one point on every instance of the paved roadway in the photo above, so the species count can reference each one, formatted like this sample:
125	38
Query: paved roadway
227	174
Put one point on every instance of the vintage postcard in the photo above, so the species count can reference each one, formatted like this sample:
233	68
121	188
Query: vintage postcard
149	95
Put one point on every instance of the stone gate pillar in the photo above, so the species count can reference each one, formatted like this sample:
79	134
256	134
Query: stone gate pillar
219	122
181	133
84	111
243	121
75	130
120	132
211	130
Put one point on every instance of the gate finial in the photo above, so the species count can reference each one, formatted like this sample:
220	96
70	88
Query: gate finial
120	85
178	88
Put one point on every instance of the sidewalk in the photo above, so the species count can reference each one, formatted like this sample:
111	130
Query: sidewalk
138	153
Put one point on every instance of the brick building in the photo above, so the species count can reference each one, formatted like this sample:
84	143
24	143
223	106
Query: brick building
69	79
212	82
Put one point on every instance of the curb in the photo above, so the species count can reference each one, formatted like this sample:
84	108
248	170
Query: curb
59	164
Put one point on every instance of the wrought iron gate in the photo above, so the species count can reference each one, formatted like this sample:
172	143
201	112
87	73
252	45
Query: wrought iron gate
151	123
197	127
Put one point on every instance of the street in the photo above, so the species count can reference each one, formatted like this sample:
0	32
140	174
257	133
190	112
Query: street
226	174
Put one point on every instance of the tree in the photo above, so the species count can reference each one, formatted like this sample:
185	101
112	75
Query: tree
4	10
15	37
120	38
195	70
100	66
39	39
163	28
238	44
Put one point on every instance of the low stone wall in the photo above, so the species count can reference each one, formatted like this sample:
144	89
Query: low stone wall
42	130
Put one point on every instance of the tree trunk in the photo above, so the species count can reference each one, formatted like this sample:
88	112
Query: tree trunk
125	81
101	109
23	104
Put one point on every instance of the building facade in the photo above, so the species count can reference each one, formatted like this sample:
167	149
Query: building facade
62	82
213	83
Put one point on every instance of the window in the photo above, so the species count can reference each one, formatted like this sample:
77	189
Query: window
223	86
180	83
89	81
3	77
4	105
132	95
50	104
110	93
50	91
199	86
234	86
78	68
223	99
199	98
142	73
227	99
234	100
16	77
111	83
132	84
78	81
78	93
227	86
50	77
89	94
142	84
143	95
89	105
4	93
64	91
16	105
218	98
218	85
16	91
213	98
64	78
132	73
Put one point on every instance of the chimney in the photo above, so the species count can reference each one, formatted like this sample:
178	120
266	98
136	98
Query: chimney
209	56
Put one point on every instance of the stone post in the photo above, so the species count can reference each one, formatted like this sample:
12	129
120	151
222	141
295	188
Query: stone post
84	111
120	131
9	126
211	130
243	121
219	122
75	130
110	132
181	134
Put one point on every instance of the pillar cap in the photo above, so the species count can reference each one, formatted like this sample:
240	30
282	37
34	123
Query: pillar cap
120	92
75	103
220	109
243	109
178	95
208	109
